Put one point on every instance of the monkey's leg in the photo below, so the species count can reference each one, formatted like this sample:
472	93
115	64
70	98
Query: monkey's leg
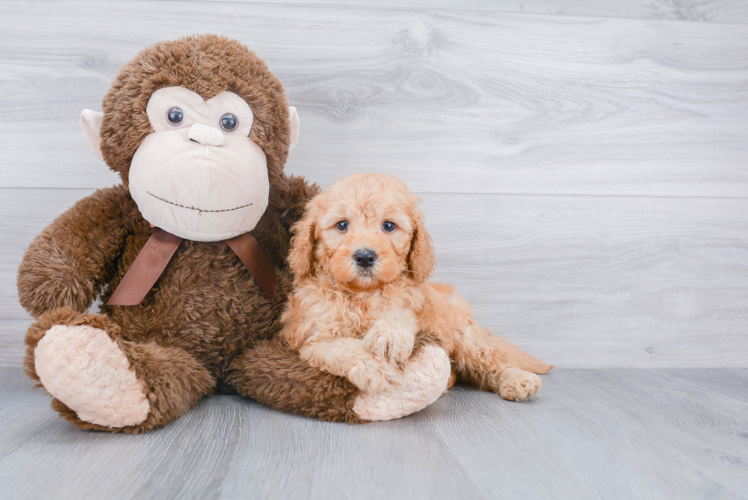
100	381
275	375
492	364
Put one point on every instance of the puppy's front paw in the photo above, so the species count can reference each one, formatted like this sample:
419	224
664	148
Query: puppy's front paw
389	342
374	376
516	384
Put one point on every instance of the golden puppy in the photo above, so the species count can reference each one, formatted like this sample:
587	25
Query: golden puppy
361	257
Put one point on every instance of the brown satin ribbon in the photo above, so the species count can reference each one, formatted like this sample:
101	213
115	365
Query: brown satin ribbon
160	248
145	271
245	246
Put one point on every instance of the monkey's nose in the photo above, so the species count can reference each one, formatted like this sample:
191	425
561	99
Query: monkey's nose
365	258
205	135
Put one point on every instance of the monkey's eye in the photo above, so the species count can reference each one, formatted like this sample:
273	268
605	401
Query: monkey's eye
388	227
229	122
342	226
175	115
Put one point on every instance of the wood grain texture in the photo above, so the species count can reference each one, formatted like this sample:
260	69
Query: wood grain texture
588	434
579	281
584	181
722	11
450	100
12	348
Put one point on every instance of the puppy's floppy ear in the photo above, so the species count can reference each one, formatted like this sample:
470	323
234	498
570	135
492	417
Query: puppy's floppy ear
300	257
421	259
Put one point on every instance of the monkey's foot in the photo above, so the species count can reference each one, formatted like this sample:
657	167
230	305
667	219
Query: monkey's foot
85	369
516	384
425	378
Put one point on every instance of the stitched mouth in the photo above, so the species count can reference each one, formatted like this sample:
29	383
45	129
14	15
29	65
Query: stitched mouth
197	209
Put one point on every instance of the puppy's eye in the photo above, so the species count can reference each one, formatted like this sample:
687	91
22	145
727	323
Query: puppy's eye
175	115
229	122
388	227
342	226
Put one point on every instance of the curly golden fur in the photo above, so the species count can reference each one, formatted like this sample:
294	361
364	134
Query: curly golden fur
361	257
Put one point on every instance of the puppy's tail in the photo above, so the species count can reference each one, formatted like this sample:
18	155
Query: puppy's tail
521	359
516	356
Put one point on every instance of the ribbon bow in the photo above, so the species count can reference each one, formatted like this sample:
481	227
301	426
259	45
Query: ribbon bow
160	248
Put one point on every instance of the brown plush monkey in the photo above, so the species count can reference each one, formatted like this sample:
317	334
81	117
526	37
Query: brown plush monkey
188	255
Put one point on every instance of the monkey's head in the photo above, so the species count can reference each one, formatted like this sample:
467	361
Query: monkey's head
199	129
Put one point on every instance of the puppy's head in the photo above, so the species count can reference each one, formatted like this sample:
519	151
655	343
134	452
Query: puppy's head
365	231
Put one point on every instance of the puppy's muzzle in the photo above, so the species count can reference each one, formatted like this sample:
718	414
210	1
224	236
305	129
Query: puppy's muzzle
365	258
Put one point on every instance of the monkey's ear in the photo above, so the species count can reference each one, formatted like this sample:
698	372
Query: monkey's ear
91	125
294	119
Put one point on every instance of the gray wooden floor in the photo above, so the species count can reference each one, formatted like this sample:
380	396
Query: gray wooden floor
614	433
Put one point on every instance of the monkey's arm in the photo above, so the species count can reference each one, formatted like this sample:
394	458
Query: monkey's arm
67	264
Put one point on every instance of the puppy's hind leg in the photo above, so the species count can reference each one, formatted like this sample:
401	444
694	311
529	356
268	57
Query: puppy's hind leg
496	365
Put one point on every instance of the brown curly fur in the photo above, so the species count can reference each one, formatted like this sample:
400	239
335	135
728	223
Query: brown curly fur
361	323
195	331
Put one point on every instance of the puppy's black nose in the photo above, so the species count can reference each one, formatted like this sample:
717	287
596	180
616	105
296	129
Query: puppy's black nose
365	258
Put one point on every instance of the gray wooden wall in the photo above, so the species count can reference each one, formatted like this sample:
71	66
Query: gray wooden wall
583	164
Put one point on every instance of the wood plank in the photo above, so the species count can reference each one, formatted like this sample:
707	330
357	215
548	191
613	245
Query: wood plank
452	101
578	281
639	434
227	447
25	412
715	11
602	281
400	459
588	434
12	333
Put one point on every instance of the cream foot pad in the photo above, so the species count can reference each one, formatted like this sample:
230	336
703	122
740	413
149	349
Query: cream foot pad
425	379
85	369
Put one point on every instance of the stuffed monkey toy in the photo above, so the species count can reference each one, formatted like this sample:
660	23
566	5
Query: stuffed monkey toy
188	256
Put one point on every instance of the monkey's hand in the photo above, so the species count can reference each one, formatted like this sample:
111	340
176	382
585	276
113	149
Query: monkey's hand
48	278
67	264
